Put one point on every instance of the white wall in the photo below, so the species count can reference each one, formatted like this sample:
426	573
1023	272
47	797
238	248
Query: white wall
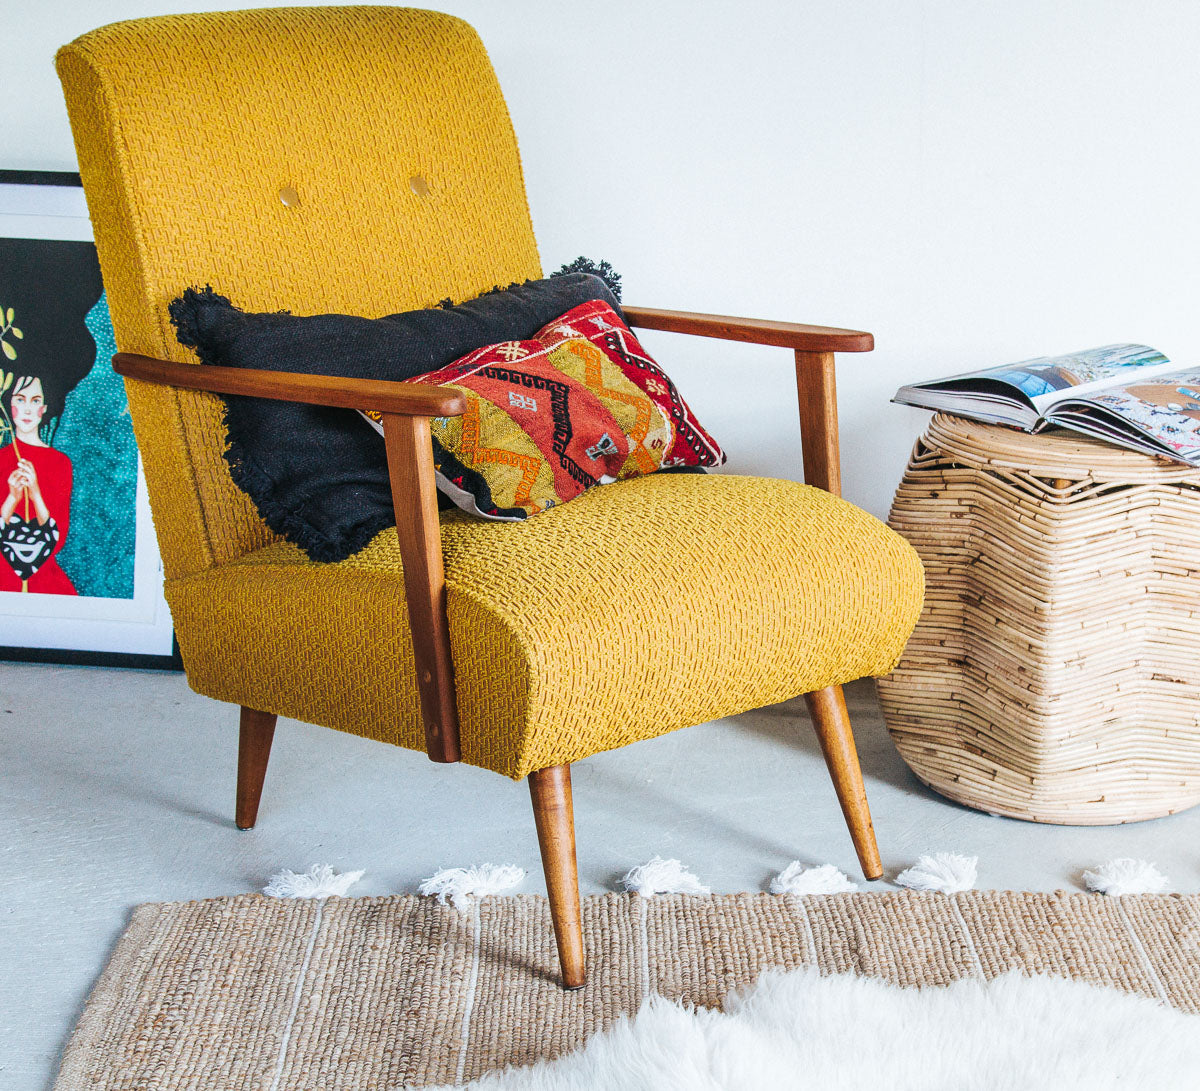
975	182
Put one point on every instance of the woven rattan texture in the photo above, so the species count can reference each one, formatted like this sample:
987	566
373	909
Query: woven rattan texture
1055	671
352	993
636	609
188	127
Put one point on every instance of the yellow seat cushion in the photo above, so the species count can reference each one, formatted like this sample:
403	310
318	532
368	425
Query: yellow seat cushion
639	608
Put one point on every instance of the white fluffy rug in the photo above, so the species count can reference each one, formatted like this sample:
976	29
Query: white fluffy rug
845	1033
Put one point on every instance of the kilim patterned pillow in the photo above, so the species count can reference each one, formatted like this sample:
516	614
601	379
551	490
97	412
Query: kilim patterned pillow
578	405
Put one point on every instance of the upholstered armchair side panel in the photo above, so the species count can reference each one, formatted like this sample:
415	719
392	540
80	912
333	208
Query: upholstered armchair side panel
185	162
157	419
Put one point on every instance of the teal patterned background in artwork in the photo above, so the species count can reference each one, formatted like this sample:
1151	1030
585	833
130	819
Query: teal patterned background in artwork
97	435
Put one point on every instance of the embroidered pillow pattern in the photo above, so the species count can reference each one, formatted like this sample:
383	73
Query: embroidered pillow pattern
599	324
579	405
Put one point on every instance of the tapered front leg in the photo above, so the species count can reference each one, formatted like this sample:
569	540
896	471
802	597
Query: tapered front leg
555	819
254	751
827	707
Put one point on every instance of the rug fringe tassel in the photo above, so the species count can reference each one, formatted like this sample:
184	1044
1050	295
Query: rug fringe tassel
462	887
1126	875
319	881
947	872
659	876
825	879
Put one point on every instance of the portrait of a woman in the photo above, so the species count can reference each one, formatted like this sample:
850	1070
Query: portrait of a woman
35	513
47	351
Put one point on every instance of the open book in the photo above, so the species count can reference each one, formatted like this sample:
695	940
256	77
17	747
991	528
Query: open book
1130	395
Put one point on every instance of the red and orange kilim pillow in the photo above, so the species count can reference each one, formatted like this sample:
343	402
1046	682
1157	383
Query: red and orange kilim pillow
580	404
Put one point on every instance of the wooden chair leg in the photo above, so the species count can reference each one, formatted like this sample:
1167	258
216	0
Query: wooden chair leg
827	708
555	819
254	751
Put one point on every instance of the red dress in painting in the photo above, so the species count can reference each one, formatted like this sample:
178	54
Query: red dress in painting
53	470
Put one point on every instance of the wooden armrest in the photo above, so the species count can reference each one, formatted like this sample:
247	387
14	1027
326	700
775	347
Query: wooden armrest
383	396
789	335
406	409
814	347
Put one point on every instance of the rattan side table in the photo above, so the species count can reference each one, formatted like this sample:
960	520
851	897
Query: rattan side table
1055	672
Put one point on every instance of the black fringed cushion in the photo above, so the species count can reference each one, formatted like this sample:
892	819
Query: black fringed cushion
319	476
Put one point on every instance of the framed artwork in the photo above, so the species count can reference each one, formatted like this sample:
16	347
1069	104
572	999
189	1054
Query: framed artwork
80	575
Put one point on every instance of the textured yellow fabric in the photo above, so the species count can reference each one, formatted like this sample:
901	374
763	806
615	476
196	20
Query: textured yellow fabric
187	129
636	609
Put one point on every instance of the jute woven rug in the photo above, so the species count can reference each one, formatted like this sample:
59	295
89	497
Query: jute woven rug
254	993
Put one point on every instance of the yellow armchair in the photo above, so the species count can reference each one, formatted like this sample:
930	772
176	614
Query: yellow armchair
361	160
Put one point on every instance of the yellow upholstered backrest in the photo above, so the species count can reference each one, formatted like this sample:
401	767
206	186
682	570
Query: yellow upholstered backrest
384	131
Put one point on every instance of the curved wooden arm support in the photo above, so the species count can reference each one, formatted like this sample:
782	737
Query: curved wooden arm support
414	496
406	409
407	399
817	391
814	347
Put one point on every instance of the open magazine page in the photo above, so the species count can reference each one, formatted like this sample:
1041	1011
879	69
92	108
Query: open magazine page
1159	414
1092	369
1048	379
1019	394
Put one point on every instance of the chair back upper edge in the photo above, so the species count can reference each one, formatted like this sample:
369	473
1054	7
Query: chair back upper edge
355	160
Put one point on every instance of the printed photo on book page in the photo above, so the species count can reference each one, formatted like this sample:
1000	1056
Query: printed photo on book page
1045	378
1165	408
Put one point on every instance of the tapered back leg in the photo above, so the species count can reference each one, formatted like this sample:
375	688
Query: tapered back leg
254	751
827	707
555	819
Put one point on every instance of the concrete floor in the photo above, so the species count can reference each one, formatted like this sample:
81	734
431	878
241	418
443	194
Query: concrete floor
118	789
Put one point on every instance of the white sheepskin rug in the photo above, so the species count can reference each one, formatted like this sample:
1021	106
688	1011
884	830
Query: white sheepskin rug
844	1033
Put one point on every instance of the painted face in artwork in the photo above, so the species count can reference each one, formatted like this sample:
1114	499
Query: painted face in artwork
28	407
